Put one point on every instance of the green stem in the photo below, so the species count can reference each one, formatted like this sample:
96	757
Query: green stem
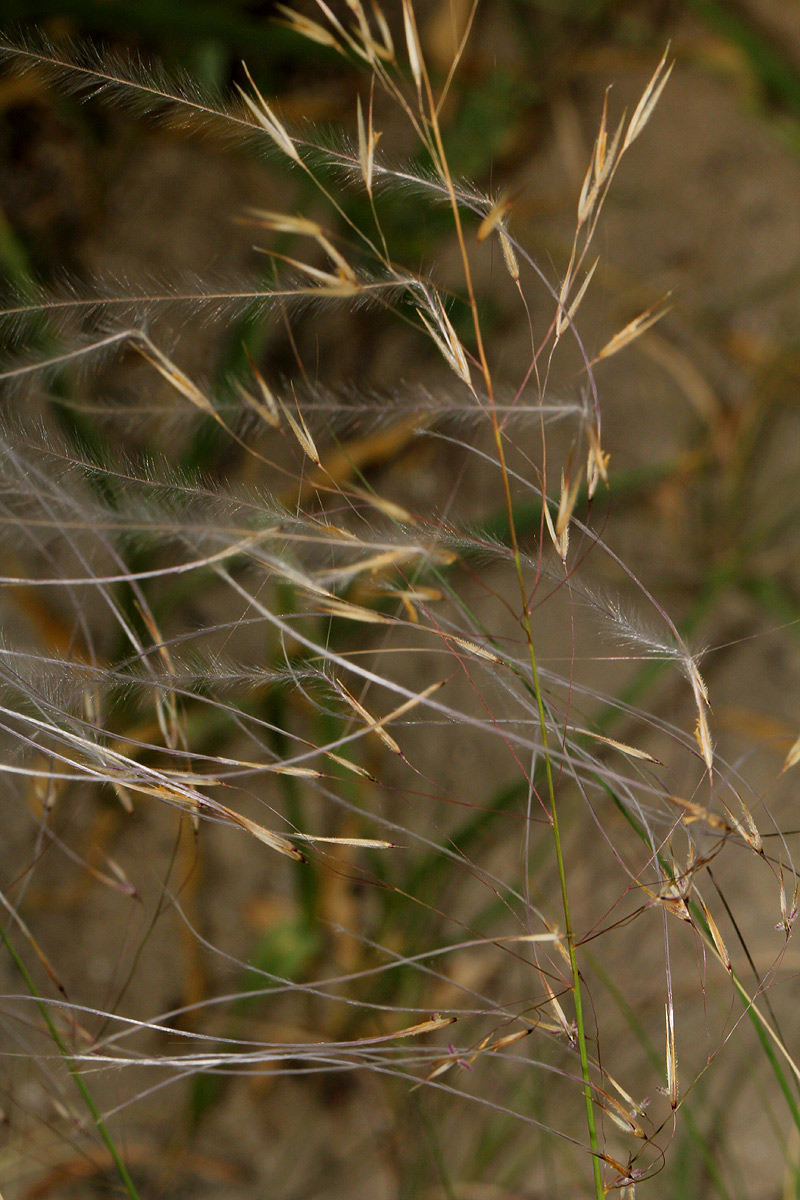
562	878
498	440
78	1079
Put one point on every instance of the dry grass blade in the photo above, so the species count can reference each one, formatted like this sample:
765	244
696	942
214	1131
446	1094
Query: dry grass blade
368	44
439	1067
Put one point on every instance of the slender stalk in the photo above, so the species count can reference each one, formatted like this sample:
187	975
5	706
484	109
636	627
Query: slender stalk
498	439
80	1083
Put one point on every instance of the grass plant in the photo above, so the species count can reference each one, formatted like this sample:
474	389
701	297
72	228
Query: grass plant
228	626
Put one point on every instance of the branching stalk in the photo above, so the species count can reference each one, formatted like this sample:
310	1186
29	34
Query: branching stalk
498	440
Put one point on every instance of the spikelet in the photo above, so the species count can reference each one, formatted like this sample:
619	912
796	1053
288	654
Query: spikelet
440	328
716	936
495	217
413	47
671	1056
559	530
266	118
301	432
788	914
650	97
564	318
176	377
792	756
308	28
509	254
368	139
597	462
633	330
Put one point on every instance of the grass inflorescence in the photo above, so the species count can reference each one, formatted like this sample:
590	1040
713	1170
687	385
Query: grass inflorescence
464	857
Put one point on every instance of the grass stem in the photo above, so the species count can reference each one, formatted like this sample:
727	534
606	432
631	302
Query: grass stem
77	1077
